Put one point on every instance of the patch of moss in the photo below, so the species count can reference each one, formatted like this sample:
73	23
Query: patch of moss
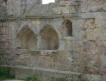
100	10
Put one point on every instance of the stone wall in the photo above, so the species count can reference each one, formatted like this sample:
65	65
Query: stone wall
4	43
81	52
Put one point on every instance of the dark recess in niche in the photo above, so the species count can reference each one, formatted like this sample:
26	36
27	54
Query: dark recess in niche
5	1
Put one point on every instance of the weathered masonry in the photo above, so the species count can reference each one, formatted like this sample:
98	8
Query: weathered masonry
65	39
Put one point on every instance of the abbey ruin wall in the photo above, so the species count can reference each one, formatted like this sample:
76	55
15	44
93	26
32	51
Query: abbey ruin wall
66	36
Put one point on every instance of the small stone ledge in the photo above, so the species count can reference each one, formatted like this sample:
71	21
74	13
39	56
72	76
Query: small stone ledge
22	51
45	52
40	52
88	77
41	69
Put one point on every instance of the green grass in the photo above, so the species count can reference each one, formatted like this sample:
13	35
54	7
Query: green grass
60	79
32	79
5	74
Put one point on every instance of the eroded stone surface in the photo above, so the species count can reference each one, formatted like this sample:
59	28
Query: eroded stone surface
39	36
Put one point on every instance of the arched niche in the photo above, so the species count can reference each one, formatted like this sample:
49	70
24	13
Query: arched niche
48	38
5	1
26	39
68	30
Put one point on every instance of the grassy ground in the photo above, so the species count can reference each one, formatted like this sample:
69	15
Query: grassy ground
5	74
35	79
32	79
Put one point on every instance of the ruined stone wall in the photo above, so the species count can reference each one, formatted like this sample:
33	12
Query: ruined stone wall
80	53
4	43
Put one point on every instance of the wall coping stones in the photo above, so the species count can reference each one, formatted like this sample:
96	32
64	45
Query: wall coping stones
81	15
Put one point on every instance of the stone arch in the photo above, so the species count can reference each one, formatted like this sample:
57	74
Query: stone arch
26	39
26	24
68	30
49	38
